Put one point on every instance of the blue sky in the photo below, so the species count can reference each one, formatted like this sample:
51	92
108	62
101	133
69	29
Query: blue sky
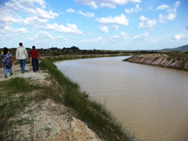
94	24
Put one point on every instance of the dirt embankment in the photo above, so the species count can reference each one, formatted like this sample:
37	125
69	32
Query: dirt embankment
160	60
45	120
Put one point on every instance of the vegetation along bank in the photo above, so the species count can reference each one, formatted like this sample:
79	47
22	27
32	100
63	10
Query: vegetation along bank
46	105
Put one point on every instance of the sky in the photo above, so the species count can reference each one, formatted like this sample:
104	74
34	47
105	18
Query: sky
94	24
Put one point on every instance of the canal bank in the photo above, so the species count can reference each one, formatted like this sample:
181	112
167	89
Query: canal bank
160	60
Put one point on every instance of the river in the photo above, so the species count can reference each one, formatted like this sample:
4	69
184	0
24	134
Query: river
151	102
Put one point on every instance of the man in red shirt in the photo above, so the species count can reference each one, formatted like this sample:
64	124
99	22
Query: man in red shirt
35	58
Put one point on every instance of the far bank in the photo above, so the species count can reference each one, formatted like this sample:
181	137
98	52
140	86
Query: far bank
161	60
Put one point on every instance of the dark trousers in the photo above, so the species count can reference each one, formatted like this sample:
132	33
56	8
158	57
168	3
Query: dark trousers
35	64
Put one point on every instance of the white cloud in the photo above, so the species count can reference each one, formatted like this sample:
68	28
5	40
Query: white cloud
112	6
174	7
143	18
162	7
87	14
71	28
117	20
124	35
11	29
70	10
44	14
141	37
35	22
45	36
104	29
171	16
94	4
96	40
31	7
180	37
113	38
146	22
171	13
118	38
136	9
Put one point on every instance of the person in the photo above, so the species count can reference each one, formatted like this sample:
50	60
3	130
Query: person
35	58
21	56
7	61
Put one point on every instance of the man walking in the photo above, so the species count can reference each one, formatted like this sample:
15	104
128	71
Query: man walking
35	58
21	56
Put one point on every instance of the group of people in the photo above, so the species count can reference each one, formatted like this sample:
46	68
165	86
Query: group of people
21	56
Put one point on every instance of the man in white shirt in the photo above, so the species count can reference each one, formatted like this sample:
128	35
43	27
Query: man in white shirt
21	56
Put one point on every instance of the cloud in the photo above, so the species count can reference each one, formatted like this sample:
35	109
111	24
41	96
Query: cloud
35	22
104	29
71	28
146	22
87	14
12	11
95	40
45	14
112	6
143	18
94	4
171	12
117	20
141	37
11	29
161	7
12	8
90	3
118	38
113	38
44	35
180	37
70	10
136	9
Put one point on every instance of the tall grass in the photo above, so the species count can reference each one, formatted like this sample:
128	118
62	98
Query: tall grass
97	118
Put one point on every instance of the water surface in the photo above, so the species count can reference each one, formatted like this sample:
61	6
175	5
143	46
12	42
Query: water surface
150	101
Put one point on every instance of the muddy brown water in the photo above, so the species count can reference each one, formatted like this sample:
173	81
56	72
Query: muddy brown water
151	102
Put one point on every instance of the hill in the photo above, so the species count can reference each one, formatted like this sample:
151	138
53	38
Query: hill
183	48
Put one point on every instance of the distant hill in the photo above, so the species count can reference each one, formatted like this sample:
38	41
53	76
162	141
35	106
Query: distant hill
181	48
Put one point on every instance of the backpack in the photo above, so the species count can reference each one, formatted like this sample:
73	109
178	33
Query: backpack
8	63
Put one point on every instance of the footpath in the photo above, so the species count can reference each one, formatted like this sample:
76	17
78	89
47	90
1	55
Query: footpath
46	120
